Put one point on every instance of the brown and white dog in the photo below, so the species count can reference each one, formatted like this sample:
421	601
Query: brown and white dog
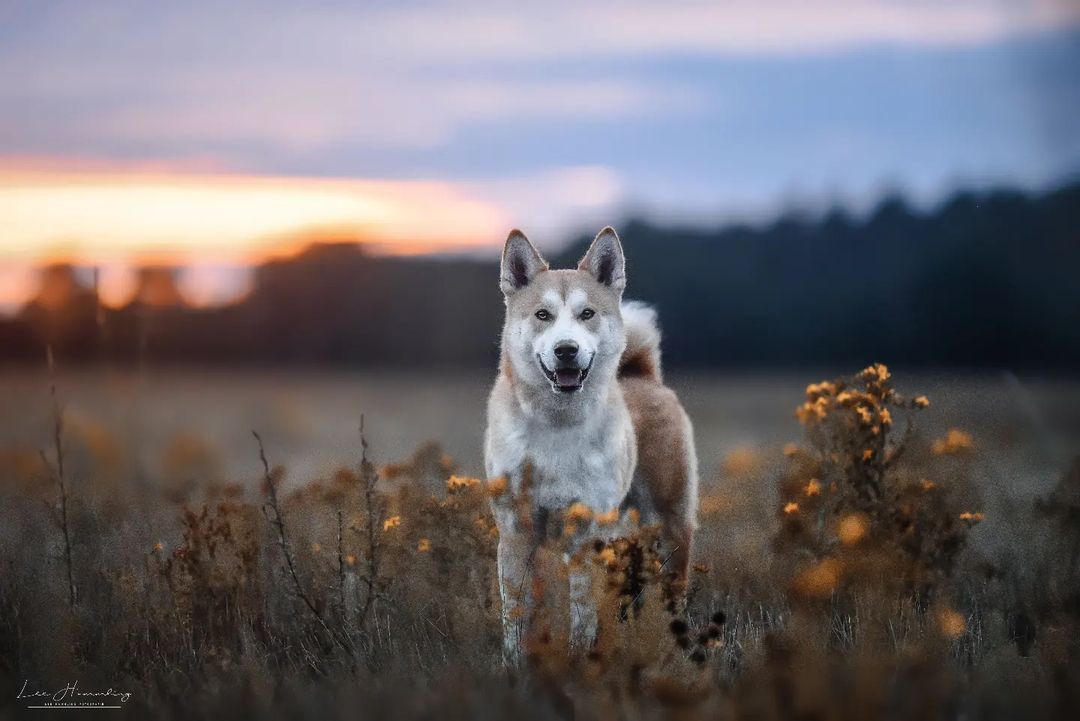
579	414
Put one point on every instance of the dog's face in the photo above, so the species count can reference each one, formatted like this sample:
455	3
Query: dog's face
563	327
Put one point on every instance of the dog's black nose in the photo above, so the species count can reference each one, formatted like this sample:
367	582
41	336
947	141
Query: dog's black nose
566	351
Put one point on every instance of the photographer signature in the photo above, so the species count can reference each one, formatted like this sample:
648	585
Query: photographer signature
72	695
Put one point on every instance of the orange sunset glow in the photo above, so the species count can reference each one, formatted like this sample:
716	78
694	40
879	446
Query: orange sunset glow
120	219
139	217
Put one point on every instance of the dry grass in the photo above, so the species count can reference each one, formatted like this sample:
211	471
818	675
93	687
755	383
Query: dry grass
832	579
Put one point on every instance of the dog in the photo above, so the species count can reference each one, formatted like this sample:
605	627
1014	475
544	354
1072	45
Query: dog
579	414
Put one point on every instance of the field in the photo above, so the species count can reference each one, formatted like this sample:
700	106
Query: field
144	547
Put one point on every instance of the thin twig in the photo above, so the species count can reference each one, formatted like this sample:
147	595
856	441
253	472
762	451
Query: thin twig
58	472
370	478
638	596
899	448
278	522
432	624
340	566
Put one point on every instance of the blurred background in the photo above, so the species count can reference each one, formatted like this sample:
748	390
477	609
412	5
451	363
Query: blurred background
275	215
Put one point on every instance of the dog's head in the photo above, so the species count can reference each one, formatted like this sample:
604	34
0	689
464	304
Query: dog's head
563	327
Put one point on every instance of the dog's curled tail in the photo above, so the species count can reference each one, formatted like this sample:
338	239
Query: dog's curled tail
642	355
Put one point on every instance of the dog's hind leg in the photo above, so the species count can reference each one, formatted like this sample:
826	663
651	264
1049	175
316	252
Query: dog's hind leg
667	477
677	536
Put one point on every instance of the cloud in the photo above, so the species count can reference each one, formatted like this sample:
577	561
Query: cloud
298	114
549	204
253	78
685	105
573	30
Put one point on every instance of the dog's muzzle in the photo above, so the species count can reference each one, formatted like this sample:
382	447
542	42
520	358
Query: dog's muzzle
566	378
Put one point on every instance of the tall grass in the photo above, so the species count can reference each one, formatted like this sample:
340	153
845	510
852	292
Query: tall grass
832	579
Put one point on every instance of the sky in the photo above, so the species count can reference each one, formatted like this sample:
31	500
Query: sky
214	134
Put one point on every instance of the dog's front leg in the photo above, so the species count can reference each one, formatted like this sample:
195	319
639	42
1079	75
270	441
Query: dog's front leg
515	551
583	611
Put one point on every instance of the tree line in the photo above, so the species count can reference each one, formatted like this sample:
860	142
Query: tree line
986	279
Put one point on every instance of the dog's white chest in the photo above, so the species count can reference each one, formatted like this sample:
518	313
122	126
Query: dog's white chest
590	463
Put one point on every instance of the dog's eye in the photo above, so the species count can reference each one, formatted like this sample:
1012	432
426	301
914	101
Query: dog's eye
587	313
542	315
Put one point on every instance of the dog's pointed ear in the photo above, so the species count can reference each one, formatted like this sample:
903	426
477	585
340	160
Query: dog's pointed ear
520	263
605	260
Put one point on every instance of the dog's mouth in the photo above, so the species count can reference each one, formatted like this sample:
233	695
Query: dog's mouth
567	379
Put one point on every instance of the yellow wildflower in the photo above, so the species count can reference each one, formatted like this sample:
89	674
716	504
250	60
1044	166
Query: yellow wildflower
159	546
497	486
954	443
852	529
812	410
578	512
972	518
391	522
921	402
350	559
741	461
814	390
424	545
878	372
951	623
606	519
607	556
458	483
820	580
813	487
791	507
868	454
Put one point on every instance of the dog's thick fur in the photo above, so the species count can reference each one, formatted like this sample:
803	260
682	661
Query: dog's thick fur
579	414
